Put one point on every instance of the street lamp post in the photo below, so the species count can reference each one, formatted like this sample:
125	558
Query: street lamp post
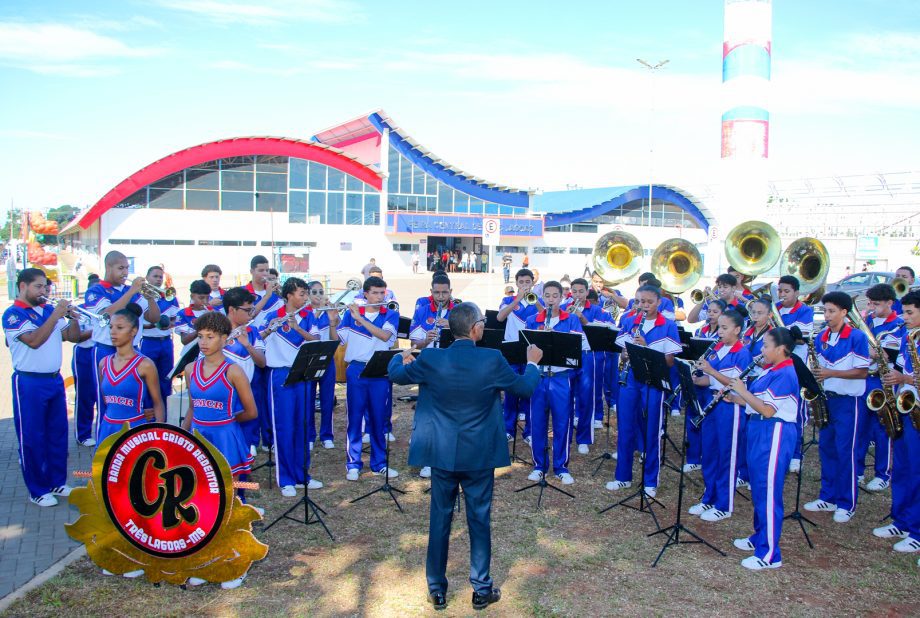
653	70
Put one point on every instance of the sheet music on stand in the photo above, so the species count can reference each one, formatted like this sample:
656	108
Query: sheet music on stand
313	359
376	367
695	348
190	356
649	367
602	339
559	349
492	320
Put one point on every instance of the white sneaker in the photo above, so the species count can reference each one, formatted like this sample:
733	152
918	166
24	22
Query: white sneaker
88	442
536	475
314	484
675	412
510	437
253	451
715	515
425	472
133	574
877	484
352	474
889	532
391	437
366	439
390	472
651	492
266	448
744	544
45	500
233	583
63	490
288	491
583	449
528	441
741	484
692	467
598	424
575	421
196	581
618	485
756	564
522	417
907	546
842	516
816	506
795	465
699	508
861	479
328	444
614	455
565	478
311	446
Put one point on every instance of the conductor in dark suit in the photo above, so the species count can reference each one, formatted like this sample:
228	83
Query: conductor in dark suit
459	431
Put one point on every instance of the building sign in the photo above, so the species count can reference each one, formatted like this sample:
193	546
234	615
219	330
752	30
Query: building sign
867	248
460	225
491	230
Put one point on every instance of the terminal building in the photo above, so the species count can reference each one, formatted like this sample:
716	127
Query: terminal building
364	188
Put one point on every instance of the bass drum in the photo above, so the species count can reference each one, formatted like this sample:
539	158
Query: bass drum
340	364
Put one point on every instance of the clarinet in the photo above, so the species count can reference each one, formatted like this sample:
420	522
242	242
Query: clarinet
623	370
723	392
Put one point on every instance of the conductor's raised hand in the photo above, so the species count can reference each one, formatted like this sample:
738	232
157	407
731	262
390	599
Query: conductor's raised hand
534	354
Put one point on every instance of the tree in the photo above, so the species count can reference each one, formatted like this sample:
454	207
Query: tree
62	214
16	218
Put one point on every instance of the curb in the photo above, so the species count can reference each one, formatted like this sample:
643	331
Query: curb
42	577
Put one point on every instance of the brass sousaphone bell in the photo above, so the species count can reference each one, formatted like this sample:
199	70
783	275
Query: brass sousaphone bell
752	247
808	261
677	264
617	257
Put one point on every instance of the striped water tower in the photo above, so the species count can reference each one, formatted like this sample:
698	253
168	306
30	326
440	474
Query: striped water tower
746	54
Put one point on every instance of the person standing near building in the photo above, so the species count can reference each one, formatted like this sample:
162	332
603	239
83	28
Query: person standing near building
506	267
366	271
415	260
156	342
34	334
211	274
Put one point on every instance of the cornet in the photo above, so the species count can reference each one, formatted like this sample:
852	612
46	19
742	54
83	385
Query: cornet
102	318
168	294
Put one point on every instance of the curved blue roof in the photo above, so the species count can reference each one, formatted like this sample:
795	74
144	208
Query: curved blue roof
579	205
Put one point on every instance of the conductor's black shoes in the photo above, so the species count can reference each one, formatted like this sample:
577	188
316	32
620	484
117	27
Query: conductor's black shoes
482	601
437	599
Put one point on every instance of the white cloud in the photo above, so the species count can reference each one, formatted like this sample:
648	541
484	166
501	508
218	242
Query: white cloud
267	11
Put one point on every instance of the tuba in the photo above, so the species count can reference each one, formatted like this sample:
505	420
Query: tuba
901	287
807	259
677	263
752	247
617	257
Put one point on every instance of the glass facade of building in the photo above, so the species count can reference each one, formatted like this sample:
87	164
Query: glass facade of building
636	212
410	189
308	192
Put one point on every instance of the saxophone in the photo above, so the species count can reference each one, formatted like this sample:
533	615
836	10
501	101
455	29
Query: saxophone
816	401
880	400
907	400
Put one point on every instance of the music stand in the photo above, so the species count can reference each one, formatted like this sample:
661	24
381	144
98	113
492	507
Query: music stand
377	368
602	339
559	350
190	356
492	322
403	328
515	352
312	361
807	381
650	368
673	531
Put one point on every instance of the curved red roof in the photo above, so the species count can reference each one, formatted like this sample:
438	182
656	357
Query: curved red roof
235	147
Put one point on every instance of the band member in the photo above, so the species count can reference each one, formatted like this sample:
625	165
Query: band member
84	381
703	394
376	271
721	430
640	416
588	382
327	323
267	304
907	274
244	347
293	325
431	317
111	295
128	381
771	406
843	356
888	329
665	304
365	330
514	312
34	334
742	288
905	470
760	322
185	321
724	291
795	313
157	342
553	392
211	275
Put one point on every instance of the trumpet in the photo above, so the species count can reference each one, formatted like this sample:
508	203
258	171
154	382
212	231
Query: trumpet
85	314
168	294
698	296
901	287
529	299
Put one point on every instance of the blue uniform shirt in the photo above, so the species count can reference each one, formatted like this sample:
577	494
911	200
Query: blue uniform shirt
778	387
361	343
424	318
848	349
22	318
517	319
565	323
282	345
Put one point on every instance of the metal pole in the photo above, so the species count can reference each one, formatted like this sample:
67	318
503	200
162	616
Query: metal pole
653	68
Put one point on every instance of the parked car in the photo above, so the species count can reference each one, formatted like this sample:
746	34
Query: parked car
856	285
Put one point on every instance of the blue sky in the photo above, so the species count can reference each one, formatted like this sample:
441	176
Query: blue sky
530	94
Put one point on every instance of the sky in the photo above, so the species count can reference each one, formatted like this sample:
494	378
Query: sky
532	94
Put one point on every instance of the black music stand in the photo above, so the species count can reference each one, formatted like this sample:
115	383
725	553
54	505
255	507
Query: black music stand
673	531
515	352
807	381
559	350
602	339
492	322
649	367
377	368
403	328
189	357
312	361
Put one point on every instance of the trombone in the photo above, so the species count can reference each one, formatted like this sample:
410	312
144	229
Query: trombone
85	314
168	294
